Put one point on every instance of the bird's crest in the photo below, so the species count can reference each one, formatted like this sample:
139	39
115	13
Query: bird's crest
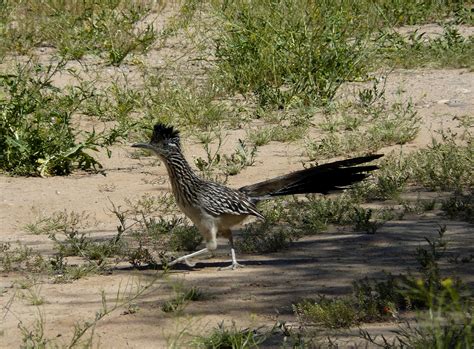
163	132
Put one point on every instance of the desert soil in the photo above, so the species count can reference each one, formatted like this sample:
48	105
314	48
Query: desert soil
261	293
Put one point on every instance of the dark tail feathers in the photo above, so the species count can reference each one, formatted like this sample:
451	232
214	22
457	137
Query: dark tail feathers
319	179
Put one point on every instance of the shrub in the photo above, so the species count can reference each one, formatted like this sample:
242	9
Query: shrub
36	133
288	51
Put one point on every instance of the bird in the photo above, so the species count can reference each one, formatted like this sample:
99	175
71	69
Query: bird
215	208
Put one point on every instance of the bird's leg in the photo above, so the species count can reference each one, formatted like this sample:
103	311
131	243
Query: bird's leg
186	257
235	264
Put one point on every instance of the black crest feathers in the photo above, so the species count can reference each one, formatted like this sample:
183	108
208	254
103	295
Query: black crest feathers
163	132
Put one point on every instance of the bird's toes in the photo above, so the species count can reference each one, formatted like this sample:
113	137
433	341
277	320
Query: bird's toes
233	266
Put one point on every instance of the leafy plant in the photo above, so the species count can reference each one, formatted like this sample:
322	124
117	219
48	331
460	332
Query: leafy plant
78	28
36	132
461	207
287	52
182	297
229	337
444	164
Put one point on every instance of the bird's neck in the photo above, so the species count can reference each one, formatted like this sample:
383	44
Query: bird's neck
182	177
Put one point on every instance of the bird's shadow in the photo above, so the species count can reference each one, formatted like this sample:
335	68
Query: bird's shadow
222	264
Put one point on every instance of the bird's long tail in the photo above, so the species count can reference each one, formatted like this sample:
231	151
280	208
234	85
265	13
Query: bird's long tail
323	179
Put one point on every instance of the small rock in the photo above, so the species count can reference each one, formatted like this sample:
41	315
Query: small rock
455	103
463	90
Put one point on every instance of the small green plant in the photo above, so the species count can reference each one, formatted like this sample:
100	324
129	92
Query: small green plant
375	300
230	165
74	29
21	258
448	50
447	323
266	236
185	103
331	313
65	229
33	295
461	207
321	211
287	53
242	157
371	300
182	297
375	125
363	221
151	236
213	157
230	337
37	136
444	164
34	336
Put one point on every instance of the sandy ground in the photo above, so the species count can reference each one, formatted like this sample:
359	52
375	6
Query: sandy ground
259	294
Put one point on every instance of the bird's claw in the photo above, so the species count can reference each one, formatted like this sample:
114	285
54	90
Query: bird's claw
233	266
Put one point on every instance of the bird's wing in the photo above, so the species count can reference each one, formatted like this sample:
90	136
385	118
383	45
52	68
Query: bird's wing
223	200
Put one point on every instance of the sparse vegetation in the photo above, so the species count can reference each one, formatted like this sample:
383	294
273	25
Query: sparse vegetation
229	337
374	300
373	125
37	135
77	78
450	49
460	207
74	29
182	297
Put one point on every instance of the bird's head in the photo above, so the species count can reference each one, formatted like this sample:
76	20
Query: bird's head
164	141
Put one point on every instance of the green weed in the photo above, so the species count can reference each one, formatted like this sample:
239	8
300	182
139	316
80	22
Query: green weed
389	181
229	165
287	52
229	337
21	258
445	164
34	335
266	236
242	157
328	313
460	207
37	135
149	235
74	29
182	297
321	211
451	49
185	104
372	126
371	300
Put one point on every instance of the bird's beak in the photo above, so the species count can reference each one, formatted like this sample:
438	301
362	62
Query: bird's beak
143	145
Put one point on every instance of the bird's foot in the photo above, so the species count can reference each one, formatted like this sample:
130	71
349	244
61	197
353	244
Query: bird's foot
181	259
186	258
233	266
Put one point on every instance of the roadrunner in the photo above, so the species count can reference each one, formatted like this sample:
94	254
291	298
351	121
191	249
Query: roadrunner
215	208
